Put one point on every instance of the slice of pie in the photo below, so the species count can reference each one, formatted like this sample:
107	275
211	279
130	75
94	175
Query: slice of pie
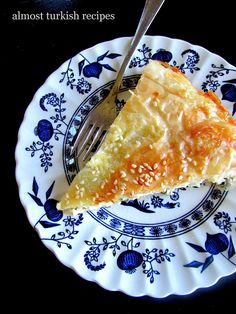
168	135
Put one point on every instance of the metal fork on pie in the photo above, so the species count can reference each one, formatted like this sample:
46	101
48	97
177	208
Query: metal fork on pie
100	118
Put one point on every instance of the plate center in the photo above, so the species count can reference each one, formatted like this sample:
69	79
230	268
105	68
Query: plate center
153	216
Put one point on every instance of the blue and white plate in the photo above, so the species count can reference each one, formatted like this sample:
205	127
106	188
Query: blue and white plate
157	245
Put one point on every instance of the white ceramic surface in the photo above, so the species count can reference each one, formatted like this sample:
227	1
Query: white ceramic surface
158	245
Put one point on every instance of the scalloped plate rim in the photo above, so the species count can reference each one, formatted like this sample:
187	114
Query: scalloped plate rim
25	202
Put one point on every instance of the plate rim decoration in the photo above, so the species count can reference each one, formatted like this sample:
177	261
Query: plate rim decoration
192	229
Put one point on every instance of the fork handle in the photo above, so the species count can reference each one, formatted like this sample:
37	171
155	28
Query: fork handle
150	10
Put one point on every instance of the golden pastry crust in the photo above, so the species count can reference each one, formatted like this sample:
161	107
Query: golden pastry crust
167	135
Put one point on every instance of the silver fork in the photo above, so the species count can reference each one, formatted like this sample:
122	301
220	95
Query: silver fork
101	117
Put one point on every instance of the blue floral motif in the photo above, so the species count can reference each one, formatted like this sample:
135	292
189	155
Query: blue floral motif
146	55
94	100
139	205
224	222
216	194
156	231
56	103
129	259
49	99
82	86
157	201
208	205
184	223
52	216
115	223
197	215
212	82
46	153
94	69
133	229
229	93
68	233
162	55
51	212
85	110
45	130
215	244
102	214
155	256
171	228
92	255
174	196
190	63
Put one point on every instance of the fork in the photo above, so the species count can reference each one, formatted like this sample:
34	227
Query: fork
100	118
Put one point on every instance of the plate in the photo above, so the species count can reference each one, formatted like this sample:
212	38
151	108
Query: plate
156	245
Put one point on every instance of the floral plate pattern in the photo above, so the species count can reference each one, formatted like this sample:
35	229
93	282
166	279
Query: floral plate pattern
136	246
